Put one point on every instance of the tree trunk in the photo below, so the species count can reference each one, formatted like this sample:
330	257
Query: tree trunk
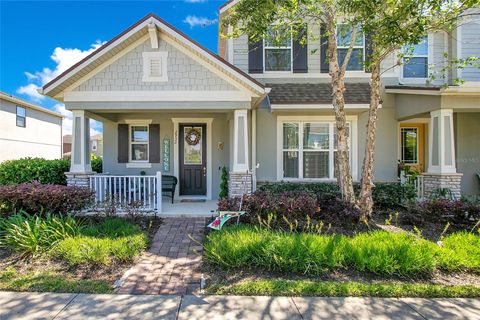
366	202
342	162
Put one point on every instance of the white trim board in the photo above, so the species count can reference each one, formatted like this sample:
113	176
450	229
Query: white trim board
176	152
319	106
167	95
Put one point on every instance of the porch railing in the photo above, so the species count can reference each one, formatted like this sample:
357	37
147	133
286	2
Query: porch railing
417	182
145	192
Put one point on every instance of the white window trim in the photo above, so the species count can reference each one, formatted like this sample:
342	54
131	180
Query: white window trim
354	47
429	57
418	142
353	143
265	47
130	143
147	57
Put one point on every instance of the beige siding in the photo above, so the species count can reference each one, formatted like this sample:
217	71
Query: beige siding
439	48
313	47
41	137
470	37
240	52
183	73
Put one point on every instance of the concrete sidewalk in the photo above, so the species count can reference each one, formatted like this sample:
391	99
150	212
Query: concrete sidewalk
89	306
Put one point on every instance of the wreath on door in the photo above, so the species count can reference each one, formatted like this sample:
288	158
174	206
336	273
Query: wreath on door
192	137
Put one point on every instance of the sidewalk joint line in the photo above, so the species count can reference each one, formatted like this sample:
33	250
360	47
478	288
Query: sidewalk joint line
414	309
65	306
179	306
296	307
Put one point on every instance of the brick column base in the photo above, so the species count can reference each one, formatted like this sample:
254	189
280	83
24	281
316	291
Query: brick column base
434	181
79	179
239	183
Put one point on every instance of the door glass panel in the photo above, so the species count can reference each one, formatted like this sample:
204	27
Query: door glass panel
409	145
192	150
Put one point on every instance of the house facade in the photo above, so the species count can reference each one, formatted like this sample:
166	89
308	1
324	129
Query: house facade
96	145
169	105
28	130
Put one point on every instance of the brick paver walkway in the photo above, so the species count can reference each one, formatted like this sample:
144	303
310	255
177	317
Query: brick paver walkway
170	265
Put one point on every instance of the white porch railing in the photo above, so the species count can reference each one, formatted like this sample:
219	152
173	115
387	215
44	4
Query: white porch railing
146	191
417	182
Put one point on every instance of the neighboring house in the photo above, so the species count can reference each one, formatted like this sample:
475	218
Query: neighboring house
96	145
28	130
168	104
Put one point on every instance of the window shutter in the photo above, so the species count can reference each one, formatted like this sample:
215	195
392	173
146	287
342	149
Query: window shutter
122	143
154	143
368	52
255	56
300	52
324	67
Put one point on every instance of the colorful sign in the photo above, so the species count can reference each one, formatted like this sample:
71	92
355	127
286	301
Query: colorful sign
166	155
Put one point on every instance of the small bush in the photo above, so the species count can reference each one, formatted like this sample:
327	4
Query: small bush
461	250
388	195
34	169
30	235
97	163
35	197
111	240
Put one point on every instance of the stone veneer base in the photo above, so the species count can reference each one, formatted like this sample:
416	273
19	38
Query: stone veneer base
434	181
79	179
239	183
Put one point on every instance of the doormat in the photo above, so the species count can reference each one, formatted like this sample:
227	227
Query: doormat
192	200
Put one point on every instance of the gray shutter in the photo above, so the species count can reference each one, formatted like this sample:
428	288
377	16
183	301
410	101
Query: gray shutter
300	52
255	56
122	143
324	67
368	52
154	143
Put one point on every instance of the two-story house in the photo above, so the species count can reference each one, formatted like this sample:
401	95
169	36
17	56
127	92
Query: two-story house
28	130
169	105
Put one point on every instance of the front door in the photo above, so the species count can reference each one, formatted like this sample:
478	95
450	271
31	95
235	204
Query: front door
412	148
193	159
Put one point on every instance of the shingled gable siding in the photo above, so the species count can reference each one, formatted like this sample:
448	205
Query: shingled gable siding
183	73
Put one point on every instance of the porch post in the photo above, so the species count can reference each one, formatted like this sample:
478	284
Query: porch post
240	180
442	171
80	166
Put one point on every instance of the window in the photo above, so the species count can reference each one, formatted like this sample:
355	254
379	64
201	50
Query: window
21	117
415	63
155	66
138	143
277	51
409	145
94	145
309	150
344	35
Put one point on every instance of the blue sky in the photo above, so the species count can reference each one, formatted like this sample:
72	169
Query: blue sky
39	39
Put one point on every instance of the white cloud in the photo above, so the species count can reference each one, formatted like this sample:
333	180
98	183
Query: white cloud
95	126
195	21
64	59
195	1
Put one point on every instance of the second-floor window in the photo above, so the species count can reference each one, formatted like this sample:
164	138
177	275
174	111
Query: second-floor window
416	60
21	117
277	51
344	37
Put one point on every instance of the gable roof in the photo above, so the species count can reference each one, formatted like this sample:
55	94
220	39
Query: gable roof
132	34
24	103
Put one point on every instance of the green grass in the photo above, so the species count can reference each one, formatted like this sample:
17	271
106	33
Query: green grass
379	252
279	287
113	239
49	281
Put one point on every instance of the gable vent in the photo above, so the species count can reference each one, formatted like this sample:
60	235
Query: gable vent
155	66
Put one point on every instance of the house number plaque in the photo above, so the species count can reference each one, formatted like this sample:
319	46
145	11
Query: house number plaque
166	155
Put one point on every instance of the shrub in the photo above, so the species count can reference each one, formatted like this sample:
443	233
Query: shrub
441	210
111	240
36	198
34	169
97	163
461	250
33	234
388	195
379	252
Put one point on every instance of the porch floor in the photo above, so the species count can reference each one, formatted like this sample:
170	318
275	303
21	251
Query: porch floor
188	209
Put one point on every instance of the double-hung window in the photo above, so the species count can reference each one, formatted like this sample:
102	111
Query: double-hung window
138	143
309	150
344	37
21	117
415	64
409	145
277	50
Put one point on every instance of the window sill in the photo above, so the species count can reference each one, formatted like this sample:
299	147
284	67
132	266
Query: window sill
145	165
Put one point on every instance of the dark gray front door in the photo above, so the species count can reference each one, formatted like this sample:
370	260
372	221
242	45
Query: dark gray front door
193	159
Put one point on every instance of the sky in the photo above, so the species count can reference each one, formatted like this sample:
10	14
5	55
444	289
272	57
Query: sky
41	39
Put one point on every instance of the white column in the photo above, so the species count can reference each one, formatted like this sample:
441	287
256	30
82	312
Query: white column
80	157
441	142
240	141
